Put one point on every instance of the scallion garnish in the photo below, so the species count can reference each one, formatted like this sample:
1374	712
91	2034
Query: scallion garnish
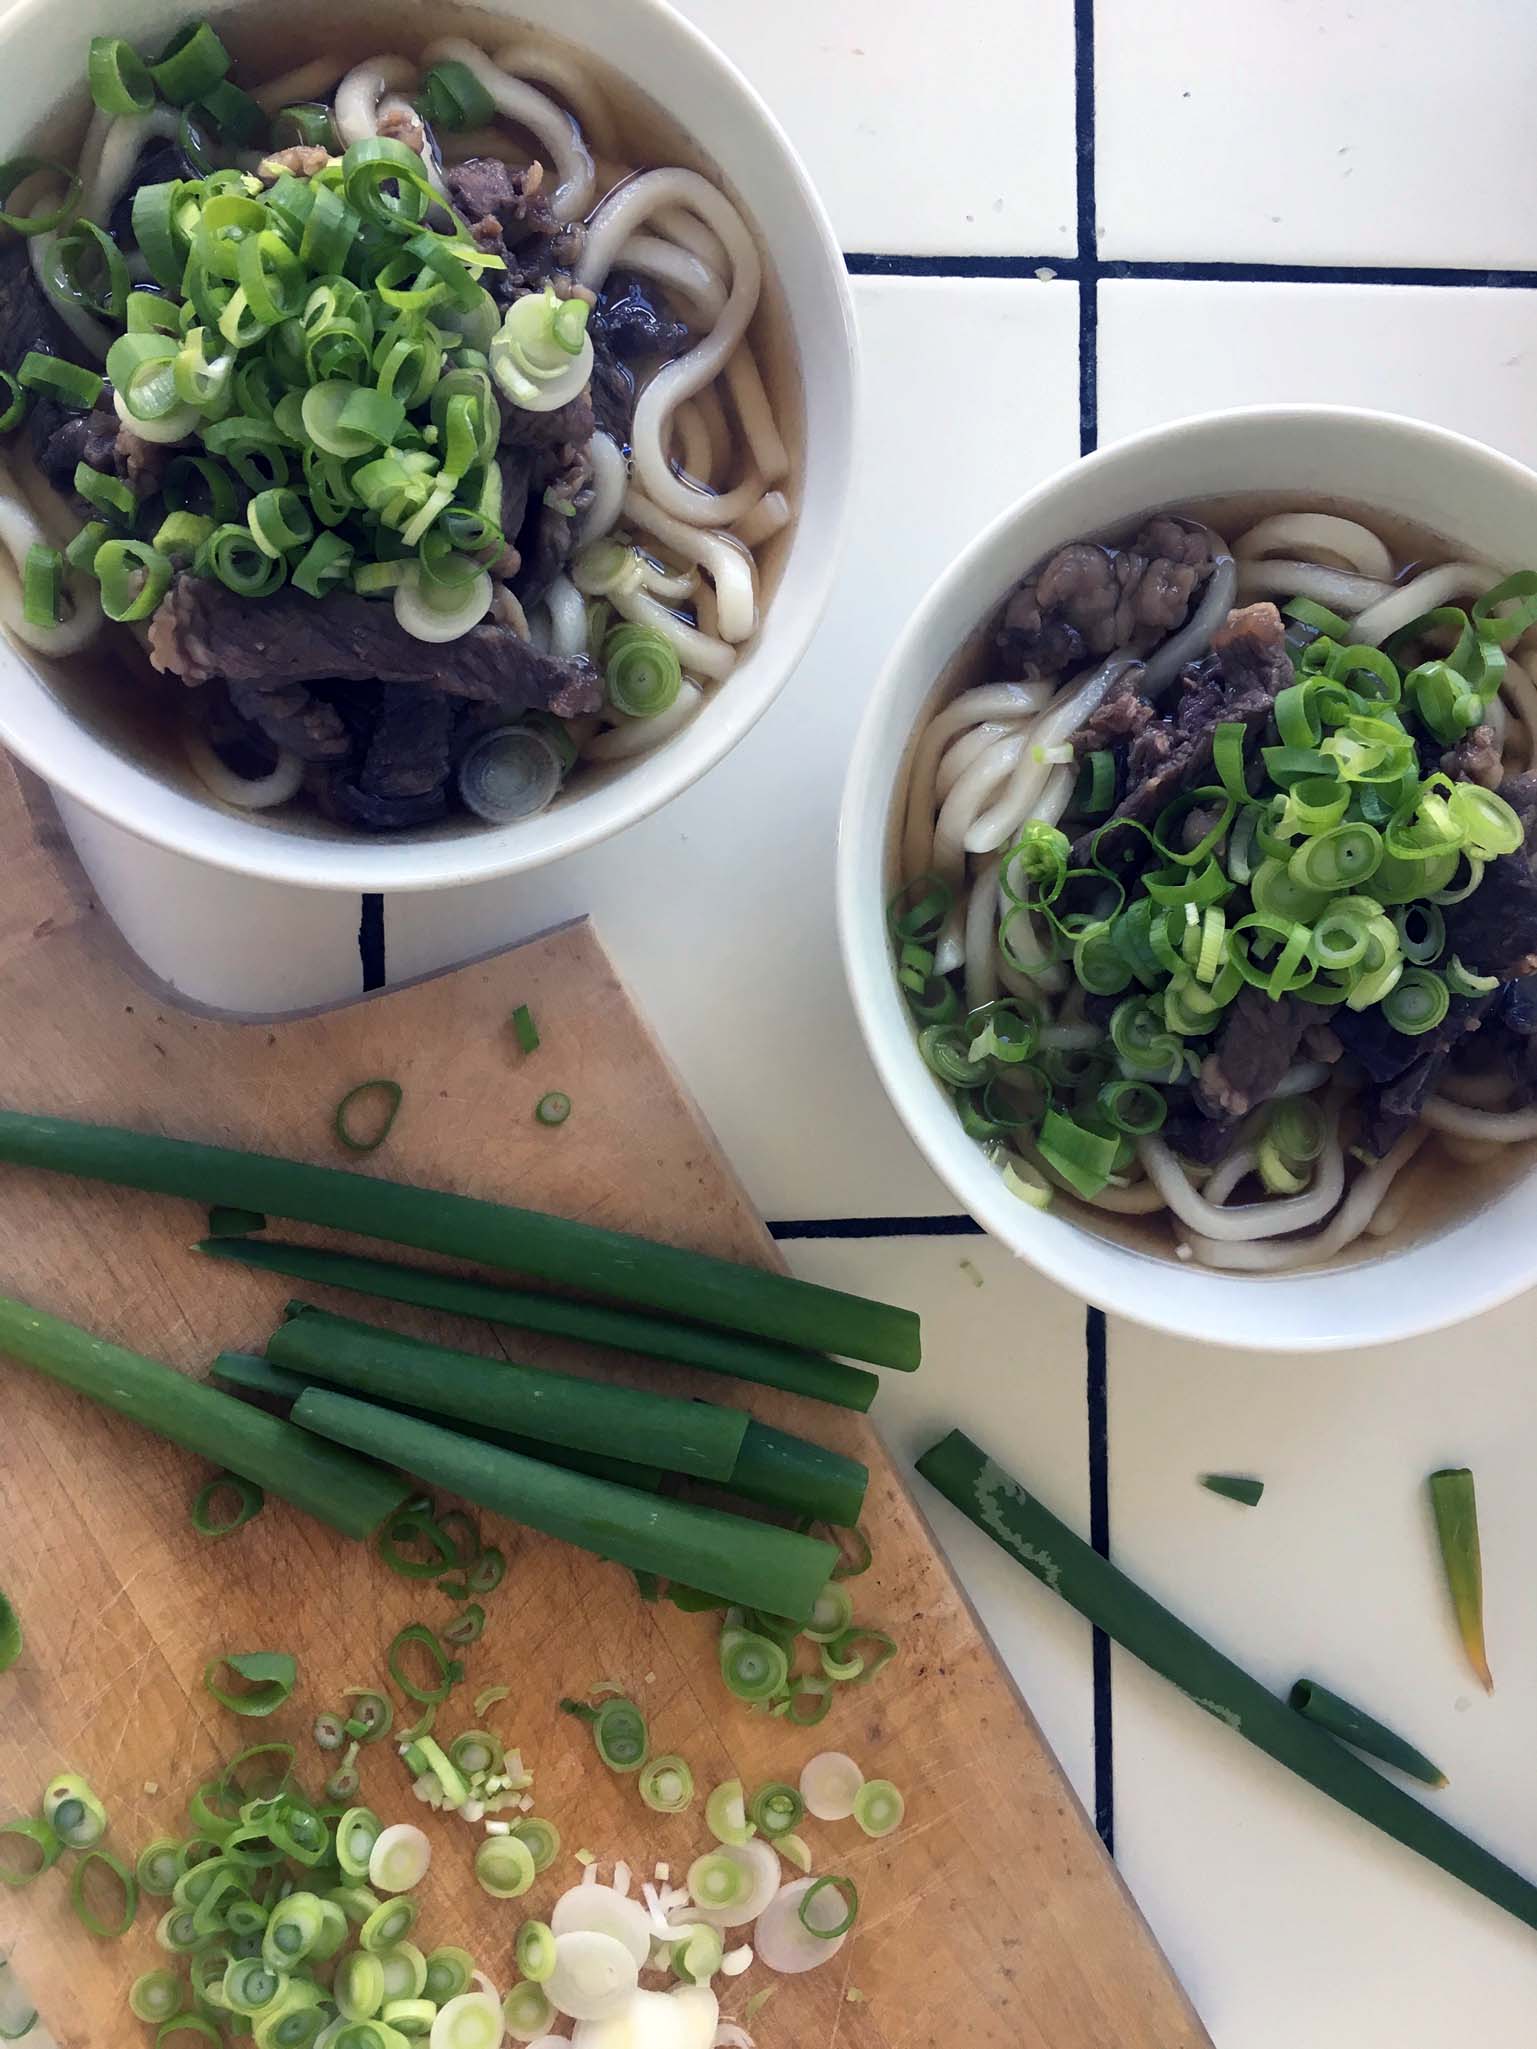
618	1731
504	1867
268	1679
73	1812
1455	1507
526	1030
1234	1487
123	1886
553	1108
541	1837
447	1671
816	1922
226	1503
370	1716
19	1866
879	1807
666	1784
776	1810
725	1813
389	1096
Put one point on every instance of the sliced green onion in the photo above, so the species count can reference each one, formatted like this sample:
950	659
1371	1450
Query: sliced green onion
1417	1003
725	1813
42	1853
449	1971
466	1628
134	578
776	1809
753	1667
504	1867
110	495
618	1731
392	1920
120	84
356	1833
155	1996
526	1030
541	1837
269	1678
126	1892
16	406
448	1671
878	1807
73	1812
534	1951
389	1095
841	1888
191	62
666	1784
42	585
641	671
358	1987
371	1715
453	97
553	1108
15	172
66	381
718	1881
226	1503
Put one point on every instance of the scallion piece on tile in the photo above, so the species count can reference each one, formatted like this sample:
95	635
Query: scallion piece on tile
1234	1487
1455	1506
1354	1726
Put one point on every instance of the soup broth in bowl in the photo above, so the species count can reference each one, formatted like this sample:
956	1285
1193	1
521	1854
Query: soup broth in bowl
480	495
1204	875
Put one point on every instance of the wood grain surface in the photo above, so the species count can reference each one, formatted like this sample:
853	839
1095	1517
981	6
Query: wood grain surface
992	1919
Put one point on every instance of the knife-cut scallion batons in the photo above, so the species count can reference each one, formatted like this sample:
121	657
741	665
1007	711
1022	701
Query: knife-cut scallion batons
756	1564
613	1264
350	1494
703	1439
254	1375
782	1471
1004	1510
790	1367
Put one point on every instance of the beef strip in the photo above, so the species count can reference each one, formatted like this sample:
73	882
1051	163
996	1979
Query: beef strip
1089	599
612	393
1188	1131
484	188
1256	1045
1475	759
1494	931
291	716
1123	714
631	318
560	491
1238	681
1404	1070
570	423
203	630
404	774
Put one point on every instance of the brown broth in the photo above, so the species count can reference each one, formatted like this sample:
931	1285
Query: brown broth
110	686
1443	1191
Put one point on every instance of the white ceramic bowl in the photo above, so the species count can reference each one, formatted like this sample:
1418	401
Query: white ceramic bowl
1456	487
42	55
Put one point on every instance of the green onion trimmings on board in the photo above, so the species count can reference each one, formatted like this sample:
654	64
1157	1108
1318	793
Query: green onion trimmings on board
1354	1726
1234	1487
266	1678
612	1264
10	1634
388	1095
1003	1510
1455	1507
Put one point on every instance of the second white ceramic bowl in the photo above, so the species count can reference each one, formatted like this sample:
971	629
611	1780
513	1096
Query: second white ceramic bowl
1484	502
43	56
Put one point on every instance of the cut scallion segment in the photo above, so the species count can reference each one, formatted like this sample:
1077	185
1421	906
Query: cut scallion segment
449	1971
384	1098
526	1030
1357	1728
157	1870
618	1731
879	1807
504	1867
226	1503
356	1833
541	1837
10	1634
553	1108
267	1679
370	1716
600	1262
155	1996
470	2020
73	1812
830	1785
1234	1487
1455	1507
776	1810
666	1784
446	1671
28	1848
1047	1548
772	1365
725	1813
99	1870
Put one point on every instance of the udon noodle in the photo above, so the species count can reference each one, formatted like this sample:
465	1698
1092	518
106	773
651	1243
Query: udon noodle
532	542
1218	918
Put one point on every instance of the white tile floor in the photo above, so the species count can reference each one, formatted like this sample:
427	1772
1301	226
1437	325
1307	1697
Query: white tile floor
1279	133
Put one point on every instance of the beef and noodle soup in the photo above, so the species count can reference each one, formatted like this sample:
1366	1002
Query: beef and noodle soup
402	409
1218	913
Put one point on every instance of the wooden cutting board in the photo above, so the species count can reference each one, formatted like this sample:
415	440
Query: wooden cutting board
993	1918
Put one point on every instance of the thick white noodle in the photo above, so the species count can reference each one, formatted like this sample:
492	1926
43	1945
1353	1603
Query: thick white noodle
508	610
964	749
86	329
119	153
679	270
694	234
1479	1091
1311	534
1398	1201
981	923
1354	1216
568	618
1030	955
19	531
541	64
673	588
610	481
982	783
1250	1219
1435	587
700	653
755	415
92	143
1226	1175
356	111
260	793
770	516
1007	812
691	443
713	413
545	119
1050	979
728	565
641	736
312	81
1302	1079
1336	588
704	610
611	226
1509	1127
1194	637
1469	1152
970	708
1520	695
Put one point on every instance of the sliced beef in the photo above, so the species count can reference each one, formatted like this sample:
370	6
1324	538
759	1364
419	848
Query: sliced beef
484	188
612	392
567	424
1089	599
60	436
1123	714
1475	759
1256	1045
1238	681
632	320
560	492
27	321
1494	931
1188	1131
291	716
403	777
1404	1070
203	630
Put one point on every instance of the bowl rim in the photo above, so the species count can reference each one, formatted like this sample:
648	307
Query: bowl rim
1248	1312
72	756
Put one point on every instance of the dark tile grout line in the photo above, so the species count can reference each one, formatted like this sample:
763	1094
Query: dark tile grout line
875	1227
1096	1389
1094	269
371	941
